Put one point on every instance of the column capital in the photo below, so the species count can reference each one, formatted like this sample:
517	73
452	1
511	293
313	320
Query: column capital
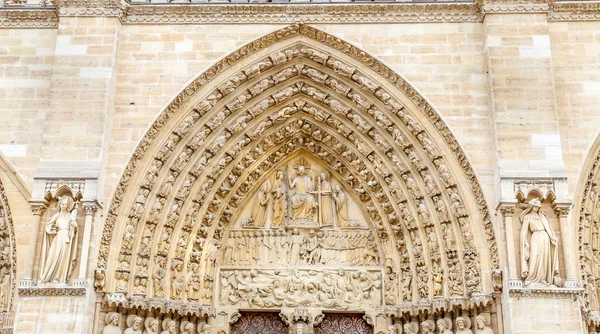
90	207
507	208
561	209
38	208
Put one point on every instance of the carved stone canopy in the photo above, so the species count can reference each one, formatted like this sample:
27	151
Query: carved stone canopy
212	158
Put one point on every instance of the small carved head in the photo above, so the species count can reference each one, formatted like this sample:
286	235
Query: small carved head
112	318
481	321
462	323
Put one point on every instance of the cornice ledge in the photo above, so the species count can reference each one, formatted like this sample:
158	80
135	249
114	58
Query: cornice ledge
574	11
24	17
304	13
513	6
104	8
439	305
544	292
51	291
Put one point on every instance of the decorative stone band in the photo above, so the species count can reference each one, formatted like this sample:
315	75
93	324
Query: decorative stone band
183	309
191	12
529	292
51	291
440	306
19	17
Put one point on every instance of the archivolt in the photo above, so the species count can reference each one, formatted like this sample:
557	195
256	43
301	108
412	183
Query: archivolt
587	215
8	255
299	89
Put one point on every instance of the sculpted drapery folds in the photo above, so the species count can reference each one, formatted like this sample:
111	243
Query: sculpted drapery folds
539	259
59	246
346	125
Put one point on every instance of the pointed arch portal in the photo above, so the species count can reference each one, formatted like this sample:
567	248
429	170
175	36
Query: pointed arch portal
190	200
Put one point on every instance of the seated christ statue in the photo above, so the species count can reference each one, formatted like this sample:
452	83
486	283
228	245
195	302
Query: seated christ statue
302	200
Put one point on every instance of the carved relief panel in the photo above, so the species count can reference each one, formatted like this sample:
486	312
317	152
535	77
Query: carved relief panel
302	194
301	241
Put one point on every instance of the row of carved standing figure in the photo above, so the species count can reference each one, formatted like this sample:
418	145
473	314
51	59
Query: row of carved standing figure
151	325
443	326
293	247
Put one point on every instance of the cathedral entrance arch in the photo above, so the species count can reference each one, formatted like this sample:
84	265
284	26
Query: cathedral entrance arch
299	175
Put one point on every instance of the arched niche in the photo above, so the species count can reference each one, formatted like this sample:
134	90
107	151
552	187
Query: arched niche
299	93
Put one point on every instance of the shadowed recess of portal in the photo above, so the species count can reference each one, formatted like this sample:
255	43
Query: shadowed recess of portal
259	323
343	323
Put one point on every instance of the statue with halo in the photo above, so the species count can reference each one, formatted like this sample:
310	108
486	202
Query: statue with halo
59	246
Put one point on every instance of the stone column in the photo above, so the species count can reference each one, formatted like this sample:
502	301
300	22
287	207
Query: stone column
37	209
90	210
513	276
566	232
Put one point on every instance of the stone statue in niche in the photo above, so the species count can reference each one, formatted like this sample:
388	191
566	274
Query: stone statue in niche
463	325
341	208
112	324
302	201
539	251
326	202
261	207
482	325
279	199
134	325
59	246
